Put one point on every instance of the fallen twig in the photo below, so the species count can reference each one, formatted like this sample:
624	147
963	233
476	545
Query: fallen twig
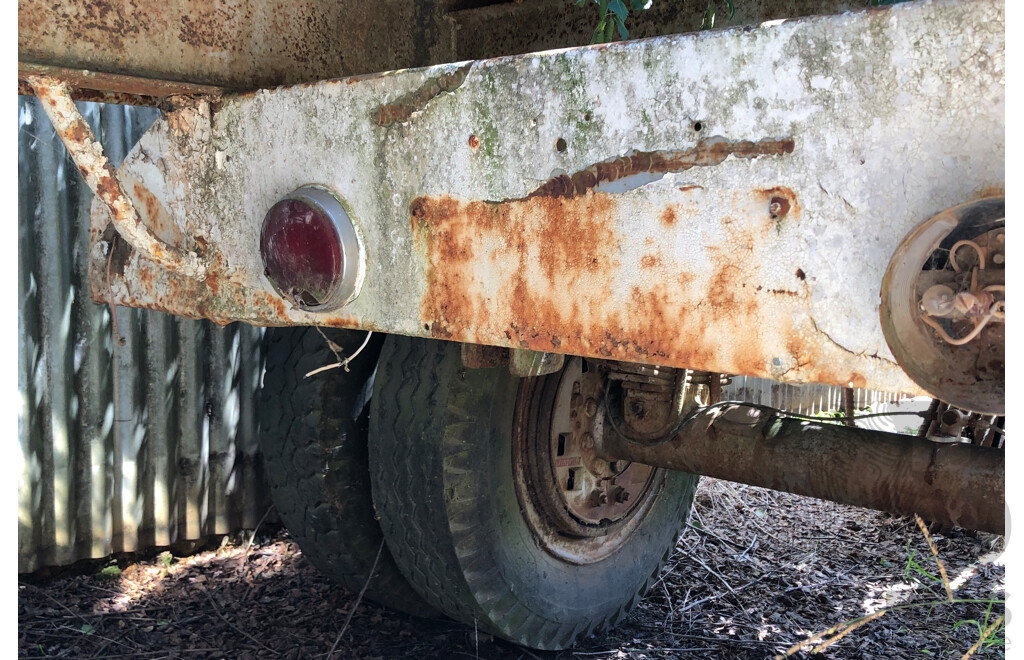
359	598
935	553
225	619
985	635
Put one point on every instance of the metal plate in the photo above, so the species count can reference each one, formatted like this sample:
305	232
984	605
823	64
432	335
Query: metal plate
770	173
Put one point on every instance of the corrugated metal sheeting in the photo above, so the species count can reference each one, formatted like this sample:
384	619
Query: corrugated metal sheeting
803	399
151	442
129	446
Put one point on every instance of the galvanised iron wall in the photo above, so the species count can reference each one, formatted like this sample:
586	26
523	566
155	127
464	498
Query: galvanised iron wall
153	442
804	399
122	447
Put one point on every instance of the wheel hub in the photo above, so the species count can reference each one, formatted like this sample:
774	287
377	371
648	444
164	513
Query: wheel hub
579	507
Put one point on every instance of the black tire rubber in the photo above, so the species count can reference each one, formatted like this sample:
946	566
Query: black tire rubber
441	468
313	436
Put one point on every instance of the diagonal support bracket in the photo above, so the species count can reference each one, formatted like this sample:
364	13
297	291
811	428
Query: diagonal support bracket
99	175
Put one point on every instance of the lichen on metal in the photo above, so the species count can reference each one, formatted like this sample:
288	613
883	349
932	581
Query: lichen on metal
767	266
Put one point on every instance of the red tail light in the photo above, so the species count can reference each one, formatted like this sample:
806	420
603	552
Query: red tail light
311	251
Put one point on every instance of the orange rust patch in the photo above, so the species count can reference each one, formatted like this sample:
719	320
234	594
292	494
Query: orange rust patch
556	274
690	188
991	191
668	216
650	261
155	216
474	142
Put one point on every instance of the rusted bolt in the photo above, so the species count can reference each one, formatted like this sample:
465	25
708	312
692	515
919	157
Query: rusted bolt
1001	238
998	258
777	362
597	498
590	408
474	142
587	441
621	494
638	408
779	206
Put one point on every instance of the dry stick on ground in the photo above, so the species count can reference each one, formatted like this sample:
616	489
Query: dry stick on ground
248	545
225	619
935	553
985	635
362	591
845	629
745	586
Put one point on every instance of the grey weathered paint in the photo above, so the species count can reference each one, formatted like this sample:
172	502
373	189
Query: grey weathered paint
879	119
100	472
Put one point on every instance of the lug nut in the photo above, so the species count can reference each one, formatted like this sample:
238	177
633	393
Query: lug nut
590	408
597	498
587	441
621	495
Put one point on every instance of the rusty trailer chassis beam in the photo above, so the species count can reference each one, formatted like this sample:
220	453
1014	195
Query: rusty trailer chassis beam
725	201
951	483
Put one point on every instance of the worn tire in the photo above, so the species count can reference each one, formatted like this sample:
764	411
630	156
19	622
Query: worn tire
441	468
313	435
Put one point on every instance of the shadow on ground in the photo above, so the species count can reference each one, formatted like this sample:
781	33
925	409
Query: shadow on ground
755	572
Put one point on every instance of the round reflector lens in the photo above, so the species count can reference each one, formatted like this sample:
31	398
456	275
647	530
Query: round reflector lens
310	250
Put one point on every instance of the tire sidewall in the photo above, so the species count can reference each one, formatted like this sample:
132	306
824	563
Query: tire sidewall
479	425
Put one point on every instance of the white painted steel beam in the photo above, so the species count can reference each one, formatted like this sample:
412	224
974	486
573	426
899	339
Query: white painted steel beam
764	178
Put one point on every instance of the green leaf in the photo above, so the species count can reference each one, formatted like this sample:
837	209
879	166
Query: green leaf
616	7
732	9
162	622
598	36
87	629
708	21
623	32
609	32
603	8
638	5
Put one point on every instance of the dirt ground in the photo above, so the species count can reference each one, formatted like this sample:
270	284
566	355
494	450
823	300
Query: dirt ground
755	572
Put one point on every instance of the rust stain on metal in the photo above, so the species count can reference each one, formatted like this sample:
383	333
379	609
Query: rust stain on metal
403	108
84	149
104	87
559	262
708	152
159	218
474	142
